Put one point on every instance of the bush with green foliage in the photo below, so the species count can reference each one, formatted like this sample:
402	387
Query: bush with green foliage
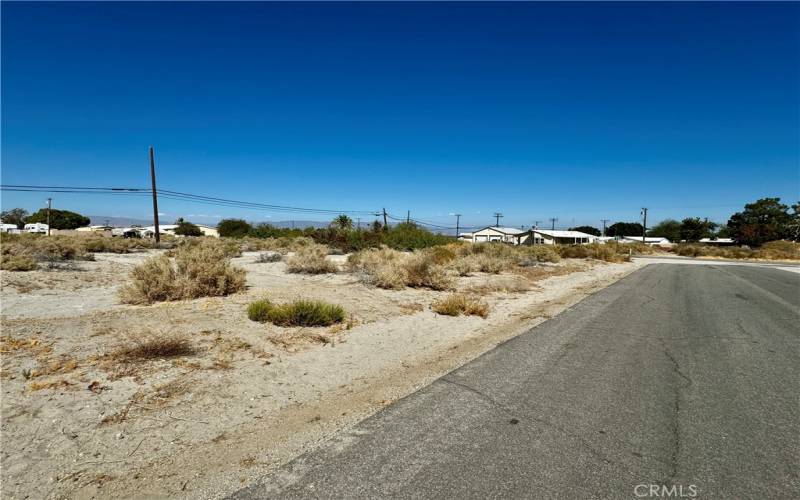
587	229
14	216
234	228
59	219
297	313
765	220
625	229
667	228
187	229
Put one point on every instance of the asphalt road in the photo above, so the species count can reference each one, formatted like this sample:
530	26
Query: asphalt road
685	376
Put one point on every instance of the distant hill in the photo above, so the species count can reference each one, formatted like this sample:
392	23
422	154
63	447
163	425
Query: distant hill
129	221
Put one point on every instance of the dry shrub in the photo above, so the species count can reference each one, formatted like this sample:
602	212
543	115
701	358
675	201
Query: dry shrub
597	251
199	270
17	263
779	250
773	250
268	257
283	244
494	258
154	347
312	259
297	313
458	303
387	268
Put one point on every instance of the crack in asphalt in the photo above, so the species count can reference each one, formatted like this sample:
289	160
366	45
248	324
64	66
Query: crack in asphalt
676	410
585	444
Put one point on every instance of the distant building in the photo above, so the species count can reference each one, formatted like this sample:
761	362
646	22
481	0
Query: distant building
36	227
9	228
649	240
94	229
492	233
722	242
557	237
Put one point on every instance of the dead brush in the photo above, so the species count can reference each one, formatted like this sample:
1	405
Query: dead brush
391	269
152	348
311	259
202	269
457	304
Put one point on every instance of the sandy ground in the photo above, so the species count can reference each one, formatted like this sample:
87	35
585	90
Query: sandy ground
250	396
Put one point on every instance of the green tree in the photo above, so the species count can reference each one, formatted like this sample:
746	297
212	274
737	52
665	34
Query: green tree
187	229
587	229
14	216
625	229
764	220
59	219
342	222
233	228
694	229
667	228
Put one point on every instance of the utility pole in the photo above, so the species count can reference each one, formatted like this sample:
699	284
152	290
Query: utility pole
497	216
49	205
458	219
644	228
155	195
552	223
604	221
358	223
536	224
385	222
408	216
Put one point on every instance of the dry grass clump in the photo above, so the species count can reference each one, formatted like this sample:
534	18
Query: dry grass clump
283	244
17	263
458	303
494	258
227	247
311	259
154	347
199	270
387	268
773	250
297	313
607	253
268	257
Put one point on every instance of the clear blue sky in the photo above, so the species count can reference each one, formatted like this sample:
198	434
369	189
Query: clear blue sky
537	110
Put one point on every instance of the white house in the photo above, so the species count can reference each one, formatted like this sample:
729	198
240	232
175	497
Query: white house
723	242
36	227
94	229
492	233
9	228
557	237
648	240
150	231
208	230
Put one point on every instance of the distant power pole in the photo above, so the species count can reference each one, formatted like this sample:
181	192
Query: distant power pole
358	223
49	205
408	216
536	224
644	228
385	222
155	195
604	221
497	216
458	219
552	223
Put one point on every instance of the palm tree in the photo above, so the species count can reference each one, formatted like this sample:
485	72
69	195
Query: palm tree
342	222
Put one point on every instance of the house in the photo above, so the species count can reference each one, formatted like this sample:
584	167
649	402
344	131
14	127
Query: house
36	227
493	233
556	237
649	240
9	228
208	230
126	232
722	242
93	229
150	231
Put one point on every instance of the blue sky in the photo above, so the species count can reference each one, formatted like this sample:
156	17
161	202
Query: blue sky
537	110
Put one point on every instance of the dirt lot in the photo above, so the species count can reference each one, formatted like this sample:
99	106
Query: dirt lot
81	422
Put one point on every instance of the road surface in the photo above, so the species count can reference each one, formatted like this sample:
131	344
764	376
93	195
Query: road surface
678	376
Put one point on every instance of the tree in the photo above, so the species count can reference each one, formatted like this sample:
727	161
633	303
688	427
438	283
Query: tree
587	229
667	228
233	228
59	219
764	220
187	229
625	229
694	229
14	216
342	222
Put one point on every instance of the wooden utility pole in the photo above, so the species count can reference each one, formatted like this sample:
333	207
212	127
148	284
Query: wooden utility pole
553	223
155	195
458	219
644	228
408	217
497	216
536	224
49	205
604	221
385	222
